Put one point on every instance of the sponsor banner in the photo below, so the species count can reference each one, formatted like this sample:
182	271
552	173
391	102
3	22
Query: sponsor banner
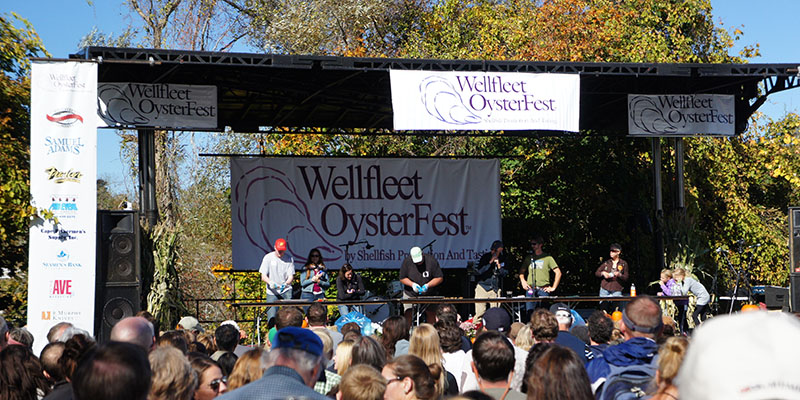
157	105
681	115
382	207
452	100
63	180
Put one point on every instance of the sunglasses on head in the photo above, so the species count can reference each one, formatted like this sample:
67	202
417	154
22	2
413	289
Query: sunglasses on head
214	385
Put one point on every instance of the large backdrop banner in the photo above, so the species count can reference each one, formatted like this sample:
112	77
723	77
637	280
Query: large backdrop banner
455	100
61	259
389	205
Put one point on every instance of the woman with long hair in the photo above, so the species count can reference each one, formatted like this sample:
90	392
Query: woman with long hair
670	358
558	374
314	278
424	344
348	287
342	356
409	378
248	368
21	375
395	336
173	377
210	383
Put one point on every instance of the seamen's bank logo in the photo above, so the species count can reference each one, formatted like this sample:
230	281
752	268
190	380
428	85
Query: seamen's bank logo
65	117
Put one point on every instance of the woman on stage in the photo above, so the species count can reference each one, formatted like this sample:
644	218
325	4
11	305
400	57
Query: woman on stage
314	278
349	287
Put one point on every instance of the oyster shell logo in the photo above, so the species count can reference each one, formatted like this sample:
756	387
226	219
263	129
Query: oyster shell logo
65	117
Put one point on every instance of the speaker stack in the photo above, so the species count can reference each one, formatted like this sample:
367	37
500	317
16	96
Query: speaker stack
794	257
118	286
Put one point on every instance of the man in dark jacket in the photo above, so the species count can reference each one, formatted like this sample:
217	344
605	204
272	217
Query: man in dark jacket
488	275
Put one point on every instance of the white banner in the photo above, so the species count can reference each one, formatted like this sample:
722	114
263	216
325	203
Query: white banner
61	258
681	115
157	105
390	205
429	100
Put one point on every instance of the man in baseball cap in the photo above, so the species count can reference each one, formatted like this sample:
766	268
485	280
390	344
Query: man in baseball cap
420	273
277	270
565	338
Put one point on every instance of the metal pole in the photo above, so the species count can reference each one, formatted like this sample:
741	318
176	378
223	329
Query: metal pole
679	176
147	176
658	234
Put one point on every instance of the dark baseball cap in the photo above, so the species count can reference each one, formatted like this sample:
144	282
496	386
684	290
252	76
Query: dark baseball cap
497	319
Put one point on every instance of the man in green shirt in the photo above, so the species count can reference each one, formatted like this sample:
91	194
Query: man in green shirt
534	274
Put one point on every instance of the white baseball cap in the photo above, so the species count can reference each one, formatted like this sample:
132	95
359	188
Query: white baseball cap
416	255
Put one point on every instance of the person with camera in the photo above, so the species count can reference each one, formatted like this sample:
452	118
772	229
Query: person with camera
489	275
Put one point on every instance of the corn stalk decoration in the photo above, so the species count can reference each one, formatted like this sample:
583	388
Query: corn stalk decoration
164	298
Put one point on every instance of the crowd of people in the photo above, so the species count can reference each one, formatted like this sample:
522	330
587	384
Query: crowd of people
557	355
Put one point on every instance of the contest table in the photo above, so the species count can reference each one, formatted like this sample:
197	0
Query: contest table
420	304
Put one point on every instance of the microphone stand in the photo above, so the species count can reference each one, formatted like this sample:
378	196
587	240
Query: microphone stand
353	243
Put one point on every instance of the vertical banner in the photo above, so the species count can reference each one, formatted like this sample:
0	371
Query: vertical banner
368	211
63	174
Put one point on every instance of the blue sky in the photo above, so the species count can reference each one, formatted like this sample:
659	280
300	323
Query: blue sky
62	23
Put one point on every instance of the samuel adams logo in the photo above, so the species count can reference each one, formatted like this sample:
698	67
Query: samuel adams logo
57	176
65	117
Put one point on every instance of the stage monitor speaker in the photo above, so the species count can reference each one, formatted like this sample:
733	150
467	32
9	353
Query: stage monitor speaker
776	297
794	239
794	292
118	286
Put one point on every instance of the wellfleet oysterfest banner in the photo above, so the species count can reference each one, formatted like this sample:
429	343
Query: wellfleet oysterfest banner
63	176
391	205
165	105
681	115
453	100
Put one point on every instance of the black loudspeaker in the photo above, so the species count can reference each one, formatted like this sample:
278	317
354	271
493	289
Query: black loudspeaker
118	287
776	297
794	239
794	291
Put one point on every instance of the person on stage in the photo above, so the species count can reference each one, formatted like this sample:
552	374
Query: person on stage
277	270
534	274
349	287
613	272
420	273
490	272
314	278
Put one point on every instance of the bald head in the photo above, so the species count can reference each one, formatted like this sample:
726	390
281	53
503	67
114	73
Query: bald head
135	330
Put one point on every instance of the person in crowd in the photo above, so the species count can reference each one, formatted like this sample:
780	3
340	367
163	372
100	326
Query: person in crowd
350	327
207	339
314	278
362	382
687	285
240	349
3	333
287	316
135	330
152	319
367	350
115	371
55	332
328	379
226	337
293	366
447	313
534	274
641	324
600	328
191	325
75	348
49	359
352	336
176	339
21	375
742	356
489	275
524	338
565	338
613	273
249	368
544	326
343	356
515	328
409	378
536	351
197	347
471	395
21	336
317	317
493	364
210	380
277	271
454	357
226	362
670	357
498	319
420	273
425	344
558	373
395	336
172	375
349	287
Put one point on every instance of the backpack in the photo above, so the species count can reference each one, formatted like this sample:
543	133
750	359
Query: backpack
628	382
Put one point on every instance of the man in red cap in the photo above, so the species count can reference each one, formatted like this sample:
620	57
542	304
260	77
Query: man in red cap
277	270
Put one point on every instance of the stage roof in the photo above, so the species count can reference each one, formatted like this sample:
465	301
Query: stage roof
258	92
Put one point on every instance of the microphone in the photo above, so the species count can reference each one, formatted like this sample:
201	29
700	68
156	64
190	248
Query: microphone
718	250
